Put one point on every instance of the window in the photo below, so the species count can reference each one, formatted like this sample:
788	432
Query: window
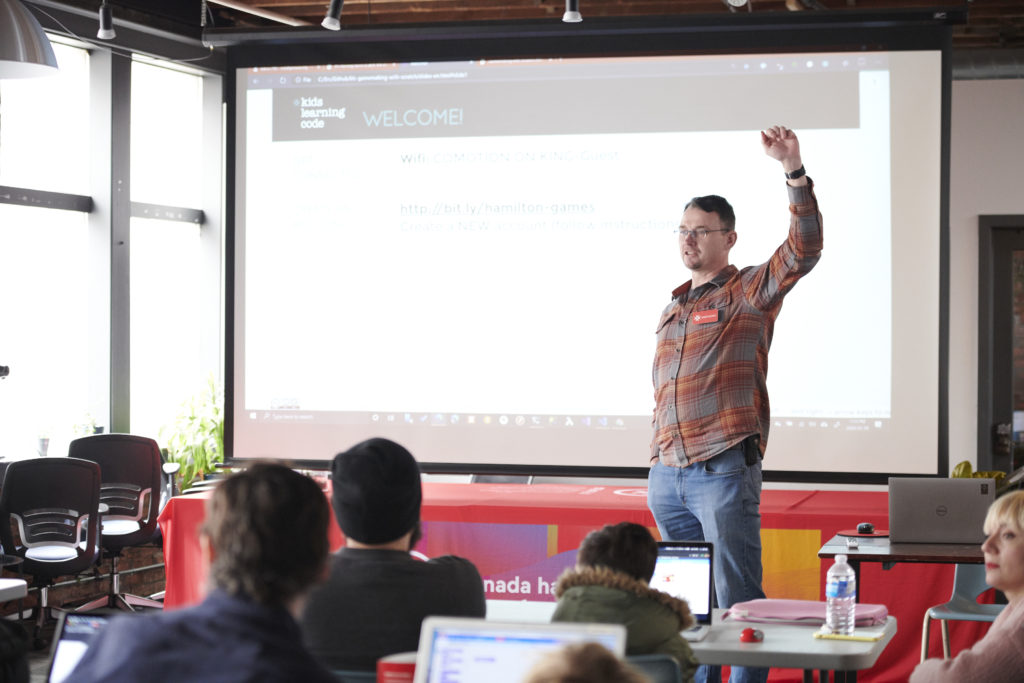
48	278
44	127
45	328
167	135
167	286
166	317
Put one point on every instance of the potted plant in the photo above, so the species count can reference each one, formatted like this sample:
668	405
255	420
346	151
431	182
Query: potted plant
195	440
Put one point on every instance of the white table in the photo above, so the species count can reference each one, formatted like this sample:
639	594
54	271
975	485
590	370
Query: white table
784	646
789	647
12	589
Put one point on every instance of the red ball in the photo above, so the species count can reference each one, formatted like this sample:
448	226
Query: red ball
751	635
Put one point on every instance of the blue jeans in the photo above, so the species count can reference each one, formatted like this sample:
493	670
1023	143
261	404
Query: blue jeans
717	500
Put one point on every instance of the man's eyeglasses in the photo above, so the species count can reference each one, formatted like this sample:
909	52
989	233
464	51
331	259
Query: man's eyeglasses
699	233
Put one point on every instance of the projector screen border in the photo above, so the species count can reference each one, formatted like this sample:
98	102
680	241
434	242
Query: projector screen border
820	31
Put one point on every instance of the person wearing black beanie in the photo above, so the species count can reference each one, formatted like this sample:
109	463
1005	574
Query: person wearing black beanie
377	593
377	492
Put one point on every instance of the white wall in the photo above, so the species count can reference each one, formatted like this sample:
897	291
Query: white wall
986	177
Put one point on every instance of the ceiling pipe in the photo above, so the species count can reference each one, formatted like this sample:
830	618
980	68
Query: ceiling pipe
265	14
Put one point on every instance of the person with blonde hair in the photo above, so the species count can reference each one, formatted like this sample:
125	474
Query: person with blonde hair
999	656
583	663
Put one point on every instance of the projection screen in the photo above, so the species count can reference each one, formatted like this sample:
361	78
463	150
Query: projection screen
468	252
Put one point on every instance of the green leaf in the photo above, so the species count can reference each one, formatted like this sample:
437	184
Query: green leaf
195	439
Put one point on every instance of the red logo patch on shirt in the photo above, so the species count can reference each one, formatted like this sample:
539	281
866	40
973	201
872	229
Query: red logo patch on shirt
702	317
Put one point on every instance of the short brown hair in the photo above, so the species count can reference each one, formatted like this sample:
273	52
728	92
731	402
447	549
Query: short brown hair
712	203
267	526
583	663
624	547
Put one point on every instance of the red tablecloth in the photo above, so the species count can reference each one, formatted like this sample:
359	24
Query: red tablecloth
522	536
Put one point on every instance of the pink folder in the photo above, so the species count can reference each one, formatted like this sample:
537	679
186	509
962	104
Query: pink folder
809	612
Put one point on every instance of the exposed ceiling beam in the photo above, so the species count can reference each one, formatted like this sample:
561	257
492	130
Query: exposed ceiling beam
256	10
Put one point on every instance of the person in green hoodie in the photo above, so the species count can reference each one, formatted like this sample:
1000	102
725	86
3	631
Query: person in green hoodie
610	585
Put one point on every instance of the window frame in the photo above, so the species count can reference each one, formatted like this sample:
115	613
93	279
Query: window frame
110	208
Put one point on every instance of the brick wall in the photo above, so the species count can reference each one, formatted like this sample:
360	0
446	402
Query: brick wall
71	591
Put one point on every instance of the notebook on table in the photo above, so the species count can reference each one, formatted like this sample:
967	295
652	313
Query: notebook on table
685	570
71	639
935	510
465	650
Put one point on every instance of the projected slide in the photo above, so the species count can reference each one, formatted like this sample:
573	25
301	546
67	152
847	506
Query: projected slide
471	257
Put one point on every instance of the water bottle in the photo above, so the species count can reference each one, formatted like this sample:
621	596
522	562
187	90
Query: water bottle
841	597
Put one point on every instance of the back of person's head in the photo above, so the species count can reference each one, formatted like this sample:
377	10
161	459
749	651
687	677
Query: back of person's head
377	491
267	530
712	203
624	547
583	663
1007	509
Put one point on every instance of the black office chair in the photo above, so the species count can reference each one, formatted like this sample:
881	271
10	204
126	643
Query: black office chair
168	489
130	488
49	516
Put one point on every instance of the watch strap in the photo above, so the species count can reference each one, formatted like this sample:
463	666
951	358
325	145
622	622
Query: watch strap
798	173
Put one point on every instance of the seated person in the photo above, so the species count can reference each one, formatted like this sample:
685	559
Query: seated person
583	663
609	585
265	541
999	656
14	642
374	601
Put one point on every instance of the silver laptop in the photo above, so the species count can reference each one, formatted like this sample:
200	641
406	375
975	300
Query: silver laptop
686	570
937	510
464	650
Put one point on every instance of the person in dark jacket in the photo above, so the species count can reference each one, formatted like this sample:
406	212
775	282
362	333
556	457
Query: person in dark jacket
374	601
610	585
265	539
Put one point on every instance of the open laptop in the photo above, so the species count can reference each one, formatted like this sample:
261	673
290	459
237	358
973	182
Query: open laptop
71	639
465	650
937	510
685	570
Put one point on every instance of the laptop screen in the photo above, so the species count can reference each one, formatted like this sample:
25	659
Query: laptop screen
460	650
684	570
71	639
